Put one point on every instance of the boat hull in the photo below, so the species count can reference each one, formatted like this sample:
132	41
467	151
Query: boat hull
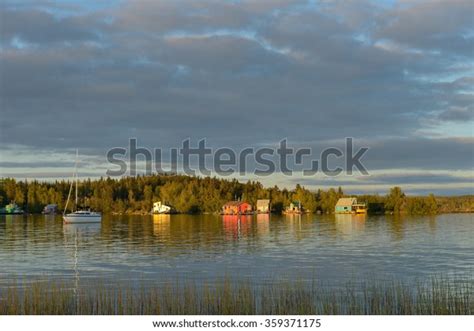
238	214
168	212
79	219
352	212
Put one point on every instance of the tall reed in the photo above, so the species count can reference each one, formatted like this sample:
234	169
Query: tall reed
438	296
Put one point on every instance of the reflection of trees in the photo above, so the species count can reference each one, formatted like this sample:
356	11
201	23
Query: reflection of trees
181	233
326	225
400	224
29	231
432	223
159	234
301	226
397	226
293	222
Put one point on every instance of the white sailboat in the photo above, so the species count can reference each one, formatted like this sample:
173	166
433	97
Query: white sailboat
79	216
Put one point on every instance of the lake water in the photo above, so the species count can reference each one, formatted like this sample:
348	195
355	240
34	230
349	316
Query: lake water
163	248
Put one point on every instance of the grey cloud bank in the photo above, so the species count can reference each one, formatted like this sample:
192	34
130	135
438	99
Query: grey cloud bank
396	77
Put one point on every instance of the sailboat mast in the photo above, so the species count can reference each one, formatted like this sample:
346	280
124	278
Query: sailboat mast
77	160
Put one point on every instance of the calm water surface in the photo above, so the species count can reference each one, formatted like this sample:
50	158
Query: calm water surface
163	248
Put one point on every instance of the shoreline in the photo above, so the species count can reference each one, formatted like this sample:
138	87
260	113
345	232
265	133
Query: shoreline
255	214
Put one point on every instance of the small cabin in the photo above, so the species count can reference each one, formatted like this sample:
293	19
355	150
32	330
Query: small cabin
263	206
50	209
237	208
295	207
161	208
350	206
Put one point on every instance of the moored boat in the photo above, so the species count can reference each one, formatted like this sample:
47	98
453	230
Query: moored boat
161	208
79	216
82	216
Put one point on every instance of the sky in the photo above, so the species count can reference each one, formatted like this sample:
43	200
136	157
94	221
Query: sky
397	76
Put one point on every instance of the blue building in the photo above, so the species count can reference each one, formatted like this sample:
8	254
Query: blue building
350	206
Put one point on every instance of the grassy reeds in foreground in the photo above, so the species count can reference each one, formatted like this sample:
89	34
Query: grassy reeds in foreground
438	296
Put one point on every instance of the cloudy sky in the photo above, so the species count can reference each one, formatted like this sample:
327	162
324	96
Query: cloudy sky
398	76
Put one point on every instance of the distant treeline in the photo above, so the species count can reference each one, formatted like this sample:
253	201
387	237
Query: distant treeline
207	195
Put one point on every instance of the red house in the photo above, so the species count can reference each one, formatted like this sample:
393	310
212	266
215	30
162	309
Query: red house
237	208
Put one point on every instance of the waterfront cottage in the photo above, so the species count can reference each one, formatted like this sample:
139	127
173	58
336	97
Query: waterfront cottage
237	208
295	207
50	209
344	205
349	206
263	206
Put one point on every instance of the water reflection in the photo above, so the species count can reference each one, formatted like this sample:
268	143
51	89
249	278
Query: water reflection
75	235
263	224
237	226
161	226
432	223
49	217
161	246
397	226
349	224
294	223
301	226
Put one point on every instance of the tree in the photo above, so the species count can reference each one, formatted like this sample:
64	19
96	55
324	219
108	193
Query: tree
194	194
147	197
307	199
432	205
395	200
